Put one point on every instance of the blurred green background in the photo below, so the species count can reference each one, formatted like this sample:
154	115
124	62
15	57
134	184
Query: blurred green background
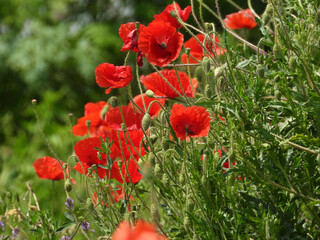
49	51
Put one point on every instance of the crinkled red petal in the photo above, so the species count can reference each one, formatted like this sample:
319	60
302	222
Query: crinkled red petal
48	168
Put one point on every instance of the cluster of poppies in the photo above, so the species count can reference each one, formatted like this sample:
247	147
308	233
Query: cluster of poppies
121	127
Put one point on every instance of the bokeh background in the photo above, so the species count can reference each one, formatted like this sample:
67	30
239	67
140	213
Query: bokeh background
49	51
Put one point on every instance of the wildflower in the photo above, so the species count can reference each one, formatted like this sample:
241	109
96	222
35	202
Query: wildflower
2	225
155	107
196	50
158	85
140	230
110	76
92	113
85	226
65	238
130	117
160	42
48	168
15	233
166	16
69	203
189	121
241	19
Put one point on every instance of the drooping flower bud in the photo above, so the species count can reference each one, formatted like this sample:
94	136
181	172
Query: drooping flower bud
68	185
146	120
150	93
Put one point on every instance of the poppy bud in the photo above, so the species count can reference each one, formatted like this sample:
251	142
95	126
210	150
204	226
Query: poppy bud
113	101
266	16
207	90
157	170
198	73
188	51
182	179
88	123
146	120
165	180
216	156
189	205
260	71
34	102
165	143
120	163
219	71
276	50
65	166
68	185
104	111
292	63
187	223
90	204
152	159
206	64
123	126
150	93
173	14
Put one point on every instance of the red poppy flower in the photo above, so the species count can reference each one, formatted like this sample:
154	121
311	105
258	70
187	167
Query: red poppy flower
98	126
48	168
128	34
110	76
157	84
160	42
165	16
140	231
196	50
129	147
192	121
155	107
131	118
88	156
241	19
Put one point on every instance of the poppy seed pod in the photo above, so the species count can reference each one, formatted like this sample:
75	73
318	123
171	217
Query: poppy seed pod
146	120
150	93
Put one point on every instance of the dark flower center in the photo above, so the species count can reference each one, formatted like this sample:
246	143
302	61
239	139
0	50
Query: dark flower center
163	45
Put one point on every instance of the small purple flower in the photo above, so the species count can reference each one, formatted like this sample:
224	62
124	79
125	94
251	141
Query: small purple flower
15	233
85	226
65	238
2	225
69	203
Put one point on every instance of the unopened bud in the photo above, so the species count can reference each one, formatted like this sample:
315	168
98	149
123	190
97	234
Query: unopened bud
123	126
198	73
165	143
219	71
206	64
68	185
65	166
173	14
157	170
165	180
150	93
207	90
146	120
120	163
113	101
104	111
276	50
266	16
187	223
292	63
188	51
88	123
